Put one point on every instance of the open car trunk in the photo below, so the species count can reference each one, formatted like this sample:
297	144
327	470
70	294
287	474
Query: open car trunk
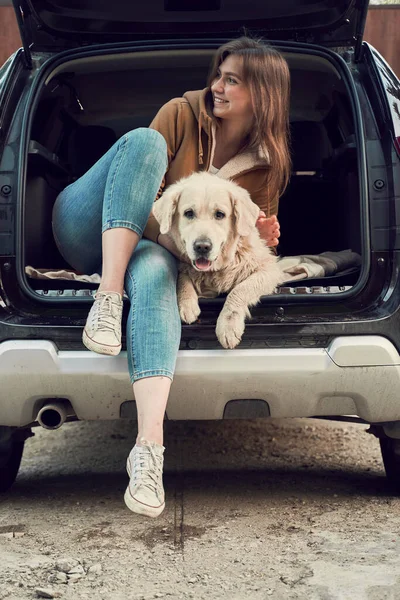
87	103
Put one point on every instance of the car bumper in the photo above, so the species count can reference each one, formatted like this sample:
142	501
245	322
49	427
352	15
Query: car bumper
357	375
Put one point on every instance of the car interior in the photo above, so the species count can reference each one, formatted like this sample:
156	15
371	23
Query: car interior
86	104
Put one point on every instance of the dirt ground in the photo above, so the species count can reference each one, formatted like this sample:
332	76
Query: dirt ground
255	510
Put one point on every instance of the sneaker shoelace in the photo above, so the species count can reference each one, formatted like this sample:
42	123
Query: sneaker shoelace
147	469
106	313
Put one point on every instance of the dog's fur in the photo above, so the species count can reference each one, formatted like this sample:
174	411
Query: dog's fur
213	224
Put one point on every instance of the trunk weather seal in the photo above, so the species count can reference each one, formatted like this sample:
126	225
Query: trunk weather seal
19	14
156	45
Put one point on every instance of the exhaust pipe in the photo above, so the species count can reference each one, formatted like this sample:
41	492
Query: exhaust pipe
53	414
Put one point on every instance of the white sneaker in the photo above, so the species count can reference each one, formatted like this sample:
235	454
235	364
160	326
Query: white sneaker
145	493
102	332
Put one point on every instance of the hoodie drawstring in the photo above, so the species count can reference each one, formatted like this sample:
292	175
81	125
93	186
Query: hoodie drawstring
200	144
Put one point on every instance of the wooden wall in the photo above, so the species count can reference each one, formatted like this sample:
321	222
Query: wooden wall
10	40
382	31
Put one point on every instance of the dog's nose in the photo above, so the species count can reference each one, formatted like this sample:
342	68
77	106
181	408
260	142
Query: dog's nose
202	246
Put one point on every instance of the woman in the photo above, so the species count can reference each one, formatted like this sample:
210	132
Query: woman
236	127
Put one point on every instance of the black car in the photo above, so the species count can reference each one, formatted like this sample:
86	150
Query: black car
327	345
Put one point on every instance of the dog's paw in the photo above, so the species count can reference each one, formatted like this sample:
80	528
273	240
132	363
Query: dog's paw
230	328
189	311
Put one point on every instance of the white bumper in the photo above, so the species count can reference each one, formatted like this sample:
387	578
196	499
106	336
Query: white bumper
354	375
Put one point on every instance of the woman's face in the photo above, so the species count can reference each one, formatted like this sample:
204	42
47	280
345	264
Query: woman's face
232	99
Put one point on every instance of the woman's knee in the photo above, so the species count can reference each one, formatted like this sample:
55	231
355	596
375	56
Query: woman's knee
153	268
149	140
159	274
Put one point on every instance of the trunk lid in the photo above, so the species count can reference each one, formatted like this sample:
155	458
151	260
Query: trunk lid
56	25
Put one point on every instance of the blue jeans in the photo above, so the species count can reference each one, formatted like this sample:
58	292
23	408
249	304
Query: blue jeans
119	191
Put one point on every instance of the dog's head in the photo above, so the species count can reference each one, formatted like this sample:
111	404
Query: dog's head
205	215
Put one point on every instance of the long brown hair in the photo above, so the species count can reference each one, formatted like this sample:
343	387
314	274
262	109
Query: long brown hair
266	73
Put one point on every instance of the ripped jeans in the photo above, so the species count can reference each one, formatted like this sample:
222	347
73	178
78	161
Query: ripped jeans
119	191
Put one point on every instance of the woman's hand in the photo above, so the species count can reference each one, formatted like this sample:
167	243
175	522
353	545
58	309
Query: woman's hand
268	228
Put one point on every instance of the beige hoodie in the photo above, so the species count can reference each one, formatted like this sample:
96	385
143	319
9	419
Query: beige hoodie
189	131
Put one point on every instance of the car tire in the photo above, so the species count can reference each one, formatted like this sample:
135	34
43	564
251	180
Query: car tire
11	449
390	448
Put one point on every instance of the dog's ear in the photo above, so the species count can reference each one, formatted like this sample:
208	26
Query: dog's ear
164	208
245	211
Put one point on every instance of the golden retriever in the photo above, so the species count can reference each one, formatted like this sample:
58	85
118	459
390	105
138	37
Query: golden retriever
213	224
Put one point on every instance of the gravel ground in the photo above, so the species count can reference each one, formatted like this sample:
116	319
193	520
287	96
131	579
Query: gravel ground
275	509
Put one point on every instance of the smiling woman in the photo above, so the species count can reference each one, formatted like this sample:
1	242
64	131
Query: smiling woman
102	217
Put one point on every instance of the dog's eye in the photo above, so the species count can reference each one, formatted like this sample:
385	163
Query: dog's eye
219	214
189	214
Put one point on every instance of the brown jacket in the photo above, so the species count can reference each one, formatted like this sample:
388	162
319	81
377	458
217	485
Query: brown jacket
189	131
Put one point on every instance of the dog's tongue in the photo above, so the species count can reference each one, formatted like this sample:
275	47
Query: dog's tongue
202	263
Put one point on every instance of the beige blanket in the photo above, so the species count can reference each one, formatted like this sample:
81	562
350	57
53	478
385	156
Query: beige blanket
305	266
61	274
310	266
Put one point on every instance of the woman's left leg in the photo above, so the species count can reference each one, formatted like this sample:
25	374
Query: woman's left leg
153	336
